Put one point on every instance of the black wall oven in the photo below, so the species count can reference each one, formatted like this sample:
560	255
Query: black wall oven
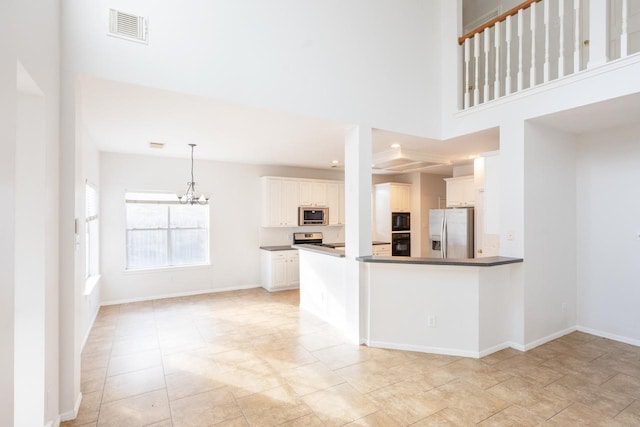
401	244
400	221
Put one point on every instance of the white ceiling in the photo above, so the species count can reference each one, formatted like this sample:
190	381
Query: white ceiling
124	118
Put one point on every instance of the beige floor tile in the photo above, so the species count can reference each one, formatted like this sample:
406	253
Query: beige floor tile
251	377
273	407
581	415
134	345
134	362
529	369
342	355
183	384
319	340
476	372
475	403
205	409
369	376
448	417
140	410
91	361
200	360
89	410
500	356
630	416
133	383
93	380
339	405
528	395
236	422
164	423
624	384
288	358
309	420
406	402
309	378
377	419
513	416
579	389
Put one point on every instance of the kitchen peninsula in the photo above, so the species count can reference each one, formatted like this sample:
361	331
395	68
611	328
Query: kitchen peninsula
456	307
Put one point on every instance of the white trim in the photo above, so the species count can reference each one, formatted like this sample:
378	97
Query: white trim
548	338
178	294
610	336
494	349
424	349
88	332
54	423
73	414
90	283
286	288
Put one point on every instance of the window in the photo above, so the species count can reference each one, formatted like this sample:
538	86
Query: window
163	233
91	231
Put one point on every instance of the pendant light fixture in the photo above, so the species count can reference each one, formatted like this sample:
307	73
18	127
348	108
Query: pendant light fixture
190	196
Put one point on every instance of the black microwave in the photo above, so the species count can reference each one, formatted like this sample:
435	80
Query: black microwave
313	215
400	221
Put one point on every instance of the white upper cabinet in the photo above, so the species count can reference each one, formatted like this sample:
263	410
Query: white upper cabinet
280	202
461	191
389	197
335	202
281	198
400	197
313	193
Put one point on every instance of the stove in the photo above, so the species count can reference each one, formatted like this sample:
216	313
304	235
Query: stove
307	238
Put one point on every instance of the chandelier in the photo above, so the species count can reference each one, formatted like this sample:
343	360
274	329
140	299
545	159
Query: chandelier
191	196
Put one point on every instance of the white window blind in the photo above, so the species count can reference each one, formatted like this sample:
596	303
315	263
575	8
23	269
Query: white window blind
163	233
92	228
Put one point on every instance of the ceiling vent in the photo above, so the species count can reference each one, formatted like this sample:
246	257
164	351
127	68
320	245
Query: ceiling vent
399	160
127	26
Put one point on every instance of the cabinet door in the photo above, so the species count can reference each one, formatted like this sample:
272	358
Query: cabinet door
278	271
333	203
289	203
319	193
293	269
305	193
455	193
273	214
400	198
469	192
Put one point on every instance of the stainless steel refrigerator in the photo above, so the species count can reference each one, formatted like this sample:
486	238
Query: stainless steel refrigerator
451	233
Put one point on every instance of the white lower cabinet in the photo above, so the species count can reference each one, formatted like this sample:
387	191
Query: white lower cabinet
280	270
381	250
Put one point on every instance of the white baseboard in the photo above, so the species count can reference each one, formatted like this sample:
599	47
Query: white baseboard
548	338
88	331
72	415
425	349
494	349
54	423
178	294
614	337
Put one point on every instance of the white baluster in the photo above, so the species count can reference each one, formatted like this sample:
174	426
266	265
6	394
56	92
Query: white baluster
561	54
476	55
496	44
487	38
507	77
577	50
546	41
624	36
467	58
520	48
532	71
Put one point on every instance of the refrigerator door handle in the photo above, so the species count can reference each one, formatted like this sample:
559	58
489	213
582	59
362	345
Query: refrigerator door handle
443	243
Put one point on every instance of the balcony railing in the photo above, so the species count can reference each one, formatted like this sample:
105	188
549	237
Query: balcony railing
543	40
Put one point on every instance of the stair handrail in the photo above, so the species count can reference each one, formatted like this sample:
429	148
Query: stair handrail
499	18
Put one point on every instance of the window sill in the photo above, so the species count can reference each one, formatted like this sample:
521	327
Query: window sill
91	283
168	268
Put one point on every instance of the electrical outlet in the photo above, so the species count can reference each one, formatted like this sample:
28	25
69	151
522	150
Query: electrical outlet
432	321
510	234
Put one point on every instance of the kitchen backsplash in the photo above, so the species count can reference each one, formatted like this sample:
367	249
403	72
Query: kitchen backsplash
276	236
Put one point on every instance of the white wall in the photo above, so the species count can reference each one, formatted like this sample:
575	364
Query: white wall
351	61
608	229
235	231
29	43
550	232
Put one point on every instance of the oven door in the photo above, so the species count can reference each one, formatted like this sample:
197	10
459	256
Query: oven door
401	244
400	221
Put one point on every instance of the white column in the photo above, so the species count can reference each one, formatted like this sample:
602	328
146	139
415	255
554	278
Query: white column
599	33
497	41
507	78
358	233
577	37
476	55
561	53
546	42
624	36
532	71
30	263
486	34
467	82
520	48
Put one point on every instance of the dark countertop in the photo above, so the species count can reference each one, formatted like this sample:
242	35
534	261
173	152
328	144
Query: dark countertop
472	262
320	249
276	248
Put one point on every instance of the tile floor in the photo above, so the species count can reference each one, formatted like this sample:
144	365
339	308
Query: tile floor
251	358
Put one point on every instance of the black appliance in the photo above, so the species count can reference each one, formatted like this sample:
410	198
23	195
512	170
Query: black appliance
401	244
400	221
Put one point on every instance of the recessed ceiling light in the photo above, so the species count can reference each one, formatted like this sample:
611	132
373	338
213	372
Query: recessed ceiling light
335	162
395	145
156	144
472	156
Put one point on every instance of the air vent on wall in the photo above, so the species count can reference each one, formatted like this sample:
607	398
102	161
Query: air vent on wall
127	26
